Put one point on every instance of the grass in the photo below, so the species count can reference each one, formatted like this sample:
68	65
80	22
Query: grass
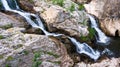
36	56
90	35
71	8
81	7
2	37
7	65
25	52
36	61
53	54
9	58
7	26
58	2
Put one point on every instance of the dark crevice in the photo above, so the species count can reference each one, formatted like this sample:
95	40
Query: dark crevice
116	33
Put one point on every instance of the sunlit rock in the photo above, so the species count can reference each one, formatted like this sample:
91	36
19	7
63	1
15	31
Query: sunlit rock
20	50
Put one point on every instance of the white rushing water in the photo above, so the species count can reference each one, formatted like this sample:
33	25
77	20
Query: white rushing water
85	49
102	38
82	48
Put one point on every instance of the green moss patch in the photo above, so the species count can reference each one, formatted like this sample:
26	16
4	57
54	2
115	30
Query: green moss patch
2	37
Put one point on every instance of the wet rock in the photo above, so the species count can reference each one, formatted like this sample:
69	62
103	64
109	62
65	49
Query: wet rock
7	21
26	5
59	19
27	50
108	14
114	62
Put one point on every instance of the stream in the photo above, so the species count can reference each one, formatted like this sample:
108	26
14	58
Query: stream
81	48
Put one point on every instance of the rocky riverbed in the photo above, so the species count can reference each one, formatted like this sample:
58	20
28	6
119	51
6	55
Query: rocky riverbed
24	46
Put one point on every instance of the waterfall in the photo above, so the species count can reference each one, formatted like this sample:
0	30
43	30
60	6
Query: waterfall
85	49
82	48
102	38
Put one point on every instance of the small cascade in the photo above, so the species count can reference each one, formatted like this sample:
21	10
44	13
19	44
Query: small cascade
102	38
83	48
35	21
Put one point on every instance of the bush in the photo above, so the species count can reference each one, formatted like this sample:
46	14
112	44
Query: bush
58	2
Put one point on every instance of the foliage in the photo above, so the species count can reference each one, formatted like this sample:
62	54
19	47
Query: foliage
90	35
1	37
81	7
6	26
36	61
25	52
58	2
85	23
72	7
9	58
53	54
7	65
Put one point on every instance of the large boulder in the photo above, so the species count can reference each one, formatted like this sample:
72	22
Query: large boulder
60	20
108	14
27	50
27	5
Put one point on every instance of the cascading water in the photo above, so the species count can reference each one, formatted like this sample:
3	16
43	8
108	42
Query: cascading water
85	49
102	38
37	23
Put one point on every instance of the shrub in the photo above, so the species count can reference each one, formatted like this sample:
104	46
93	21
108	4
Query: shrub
58	2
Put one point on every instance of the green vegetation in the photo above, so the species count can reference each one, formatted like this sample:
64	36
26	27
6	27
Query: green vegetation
58	2
81	7
36	61
25	52
36	56
7	65
2	37
51	53
90	35
85	23
72	7
9	58
7	26
1	56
